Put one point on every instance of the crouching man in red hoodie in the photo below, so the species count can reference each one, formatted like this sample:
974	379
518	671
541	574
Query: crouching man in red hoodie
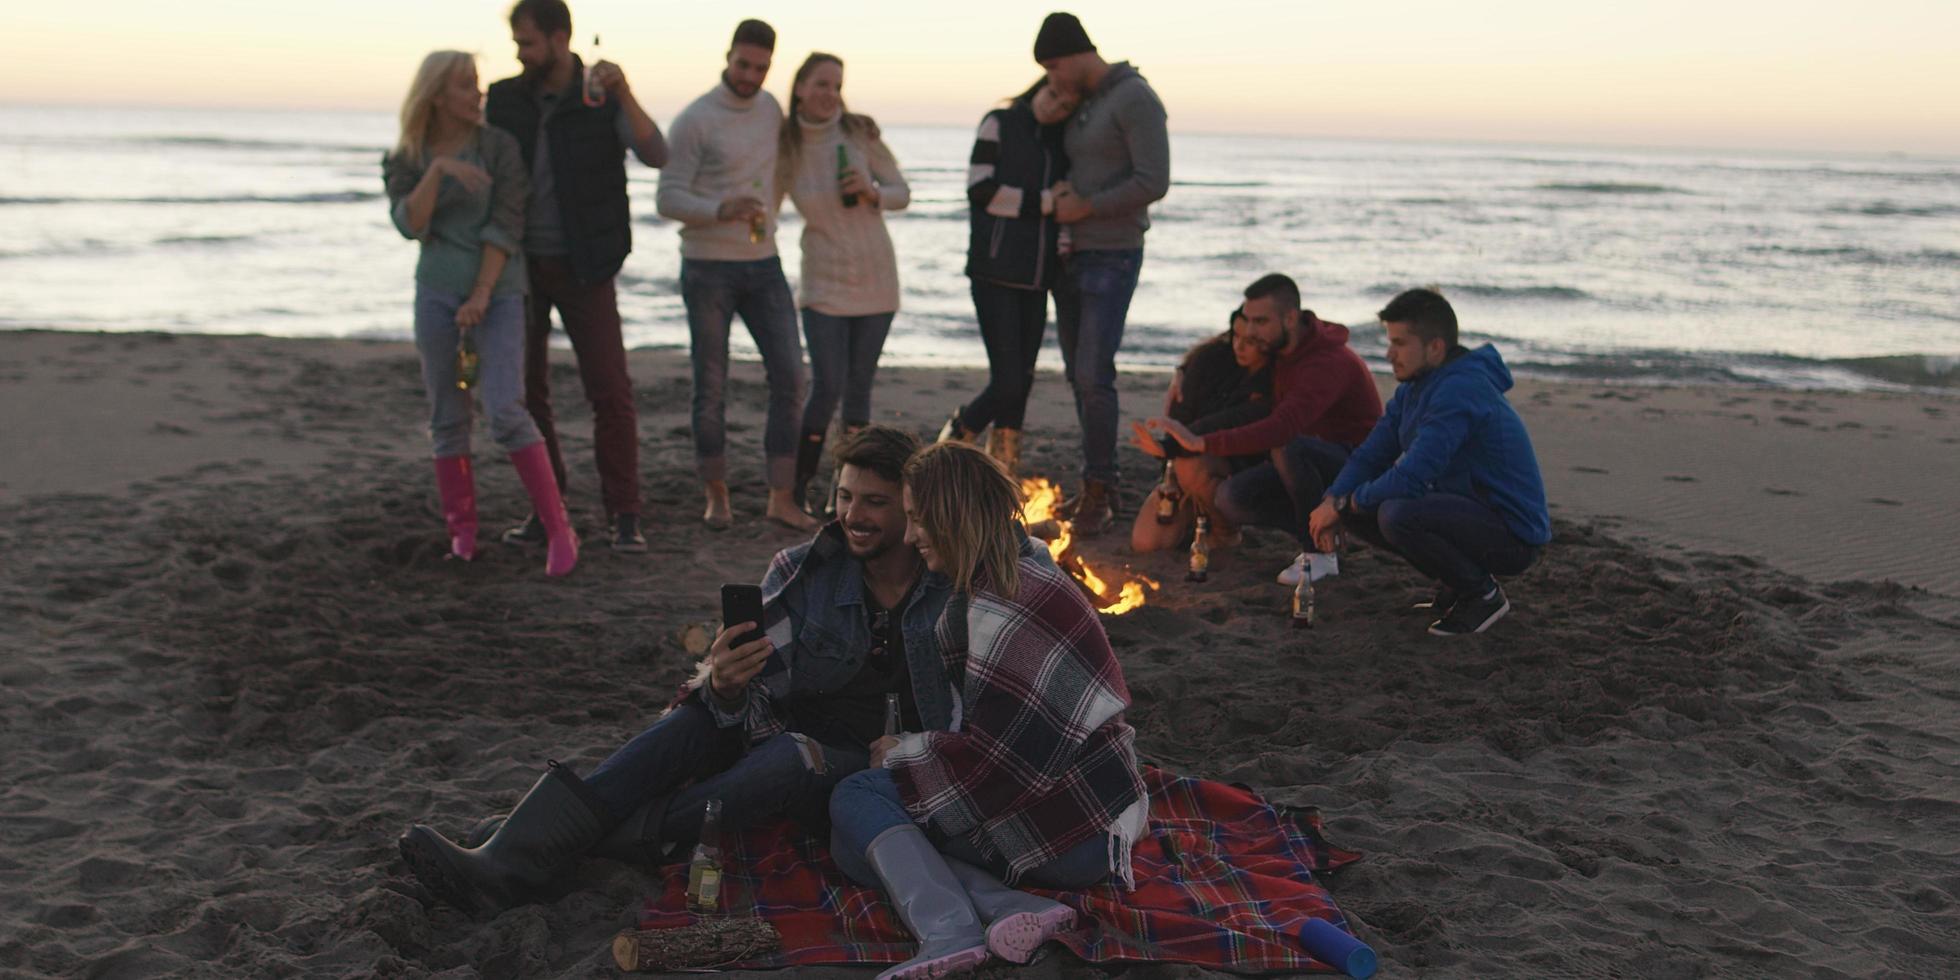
1324	404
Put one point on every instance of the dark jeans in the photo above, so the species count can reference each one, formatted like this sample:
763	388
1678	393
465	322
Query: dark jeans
867	804
843	362
1453	539
776	778
1283	490
1012	322
714	293
1092	301
590	313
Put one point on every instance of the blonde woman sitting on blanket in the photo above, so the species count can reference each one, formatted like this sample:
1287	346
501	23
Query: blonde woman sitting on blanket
1037	781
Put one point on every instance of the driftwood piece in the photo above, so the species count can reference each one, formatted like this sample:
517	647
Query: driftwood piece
713	941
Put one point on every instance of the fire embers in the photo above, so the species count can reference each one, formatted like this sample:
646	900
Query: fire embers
1112	592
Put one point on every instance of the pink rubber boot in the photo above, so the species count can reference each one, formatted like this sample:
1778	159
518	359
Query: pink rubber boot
456	485
561	543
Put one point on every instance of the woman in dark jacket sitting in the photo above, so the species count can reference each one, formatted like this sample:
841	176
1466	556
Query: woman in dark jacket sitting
1222	383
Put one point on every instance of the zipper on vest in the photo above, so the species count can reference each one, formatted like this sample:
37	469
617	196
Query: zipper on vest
1041	225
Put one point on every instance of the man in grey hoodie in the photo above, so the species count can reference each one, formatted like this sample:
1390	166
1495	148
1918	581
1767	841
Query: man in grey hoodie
1120	161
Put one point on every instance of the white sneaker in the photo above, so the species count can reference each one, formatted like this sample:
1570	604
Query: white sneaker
1318	565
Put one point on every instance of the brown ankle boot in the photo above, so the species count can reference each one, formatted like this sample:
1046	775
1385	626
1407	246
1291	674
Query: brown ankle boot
1005	446
1094	510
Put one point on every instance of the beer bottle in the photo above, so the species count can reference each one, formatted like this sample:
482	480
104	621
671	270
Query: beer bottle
1169	495
758	222
468	362
592	93
704	872
843	171
1303	600
1201	552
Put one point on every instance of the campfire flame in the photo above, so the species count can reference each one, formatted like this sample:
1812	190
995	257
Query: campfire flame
1041	498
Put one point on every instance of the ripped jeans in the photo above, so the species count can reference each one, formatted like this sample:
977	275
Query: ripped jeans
687	760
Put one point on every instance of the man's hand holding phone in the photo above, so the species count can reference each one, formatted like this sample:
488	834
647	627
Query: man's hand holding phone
732	664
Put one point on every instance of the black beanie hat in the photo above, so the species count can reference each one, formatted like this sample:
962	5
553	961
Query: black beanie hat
1061	35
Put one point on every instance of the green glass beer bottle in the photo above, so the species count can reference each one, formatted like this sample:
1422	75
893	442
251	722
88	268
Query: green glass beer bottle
843	171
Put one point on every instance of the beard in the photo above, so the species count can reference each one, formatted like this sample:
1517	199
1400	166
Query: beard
744	90
879	546
541	69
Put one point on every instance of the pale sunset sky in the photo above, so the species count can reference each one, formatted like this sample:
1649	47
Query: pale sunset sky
1873	76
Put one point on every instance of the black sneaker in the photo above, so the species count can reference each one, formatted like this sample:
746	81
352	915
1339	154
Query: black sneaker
1472	614
627	538
1440	604
529	532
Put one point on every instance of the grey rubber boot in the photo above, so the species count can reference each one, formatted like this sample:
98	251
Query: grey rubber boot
543	835
1017	923
930	901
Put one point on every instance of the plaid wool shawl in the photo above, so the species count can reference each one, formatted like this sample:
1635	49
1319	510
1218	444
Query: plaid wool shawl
1039	758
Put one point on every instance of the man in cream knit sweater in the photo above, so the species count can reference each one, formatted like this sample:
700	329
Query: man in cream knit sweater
720	184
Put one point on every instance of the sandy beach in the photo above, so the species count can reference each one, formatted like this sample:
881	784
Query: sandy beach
1717	736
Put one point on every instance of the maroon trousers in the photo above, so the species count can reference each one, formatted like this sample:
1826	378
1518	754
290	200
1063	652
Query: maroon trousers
590	314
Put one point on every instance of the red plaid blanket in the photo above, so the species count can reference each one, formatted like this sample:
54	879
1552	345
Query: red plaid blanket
1224	879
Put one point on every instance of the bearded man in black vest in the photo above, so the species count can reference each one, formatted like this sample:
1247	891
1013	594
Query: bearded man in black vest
574	123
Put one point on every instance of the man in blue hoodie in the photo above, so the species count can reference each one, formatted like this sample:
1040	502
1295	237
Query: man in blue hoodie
1447	479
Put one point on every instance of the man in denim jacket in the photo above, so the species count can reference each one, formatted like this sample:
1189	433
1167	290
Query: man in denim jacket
768	727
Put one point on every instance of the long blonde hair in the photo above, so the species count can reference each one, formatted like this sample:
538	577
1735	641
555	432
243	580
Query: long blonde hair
419	106
971	510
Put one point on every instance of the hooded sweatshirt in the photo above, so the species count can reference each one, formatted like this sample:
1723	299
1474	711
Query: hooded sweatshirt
1320	388
1119	158
1453	431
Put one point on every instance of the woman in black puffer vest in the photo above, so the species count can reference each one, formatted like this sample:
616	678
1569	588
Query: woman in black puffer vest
1012	258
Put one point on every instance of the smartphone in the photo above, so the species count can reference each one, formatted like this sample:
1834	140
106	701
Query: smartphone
742	604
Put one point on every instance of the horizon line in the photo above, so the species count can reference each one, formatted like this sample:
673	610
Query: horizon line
1916	155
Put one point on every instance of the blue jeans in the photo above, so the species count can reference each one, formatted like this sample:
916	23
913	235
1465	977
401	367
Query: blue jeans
1450	538
1283	491
843	361
714	293
500	377
1092	300
1012	322
787	775
867	804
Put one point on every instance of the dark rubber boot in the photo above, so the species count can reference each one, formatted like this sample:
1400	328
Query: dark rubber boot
543	835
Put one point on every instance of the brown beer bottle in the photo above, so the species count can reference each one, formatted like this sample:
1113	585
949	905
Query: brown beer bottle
1303	600
1201	552
468	362
1169	495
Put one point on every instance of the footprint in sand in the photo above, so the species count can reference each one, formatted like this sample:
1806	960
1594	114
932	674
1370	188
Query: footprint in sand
1792	420
1884	502
1781	492
1680	479
1590	469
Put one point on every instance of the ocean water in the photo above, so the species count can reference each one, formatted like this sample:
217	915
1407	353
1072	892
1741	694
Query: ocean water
1719	267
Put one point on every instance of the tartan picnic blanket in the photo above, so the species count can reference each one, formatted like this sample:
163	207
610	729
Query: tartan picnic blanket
1224	880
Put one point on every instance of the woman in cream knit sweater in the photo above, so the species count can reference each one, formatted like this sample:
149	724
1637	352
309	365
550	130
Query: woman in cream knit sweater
842	179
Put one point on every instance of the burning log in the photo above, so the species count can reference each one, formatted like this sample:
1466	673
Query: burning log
1041	498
